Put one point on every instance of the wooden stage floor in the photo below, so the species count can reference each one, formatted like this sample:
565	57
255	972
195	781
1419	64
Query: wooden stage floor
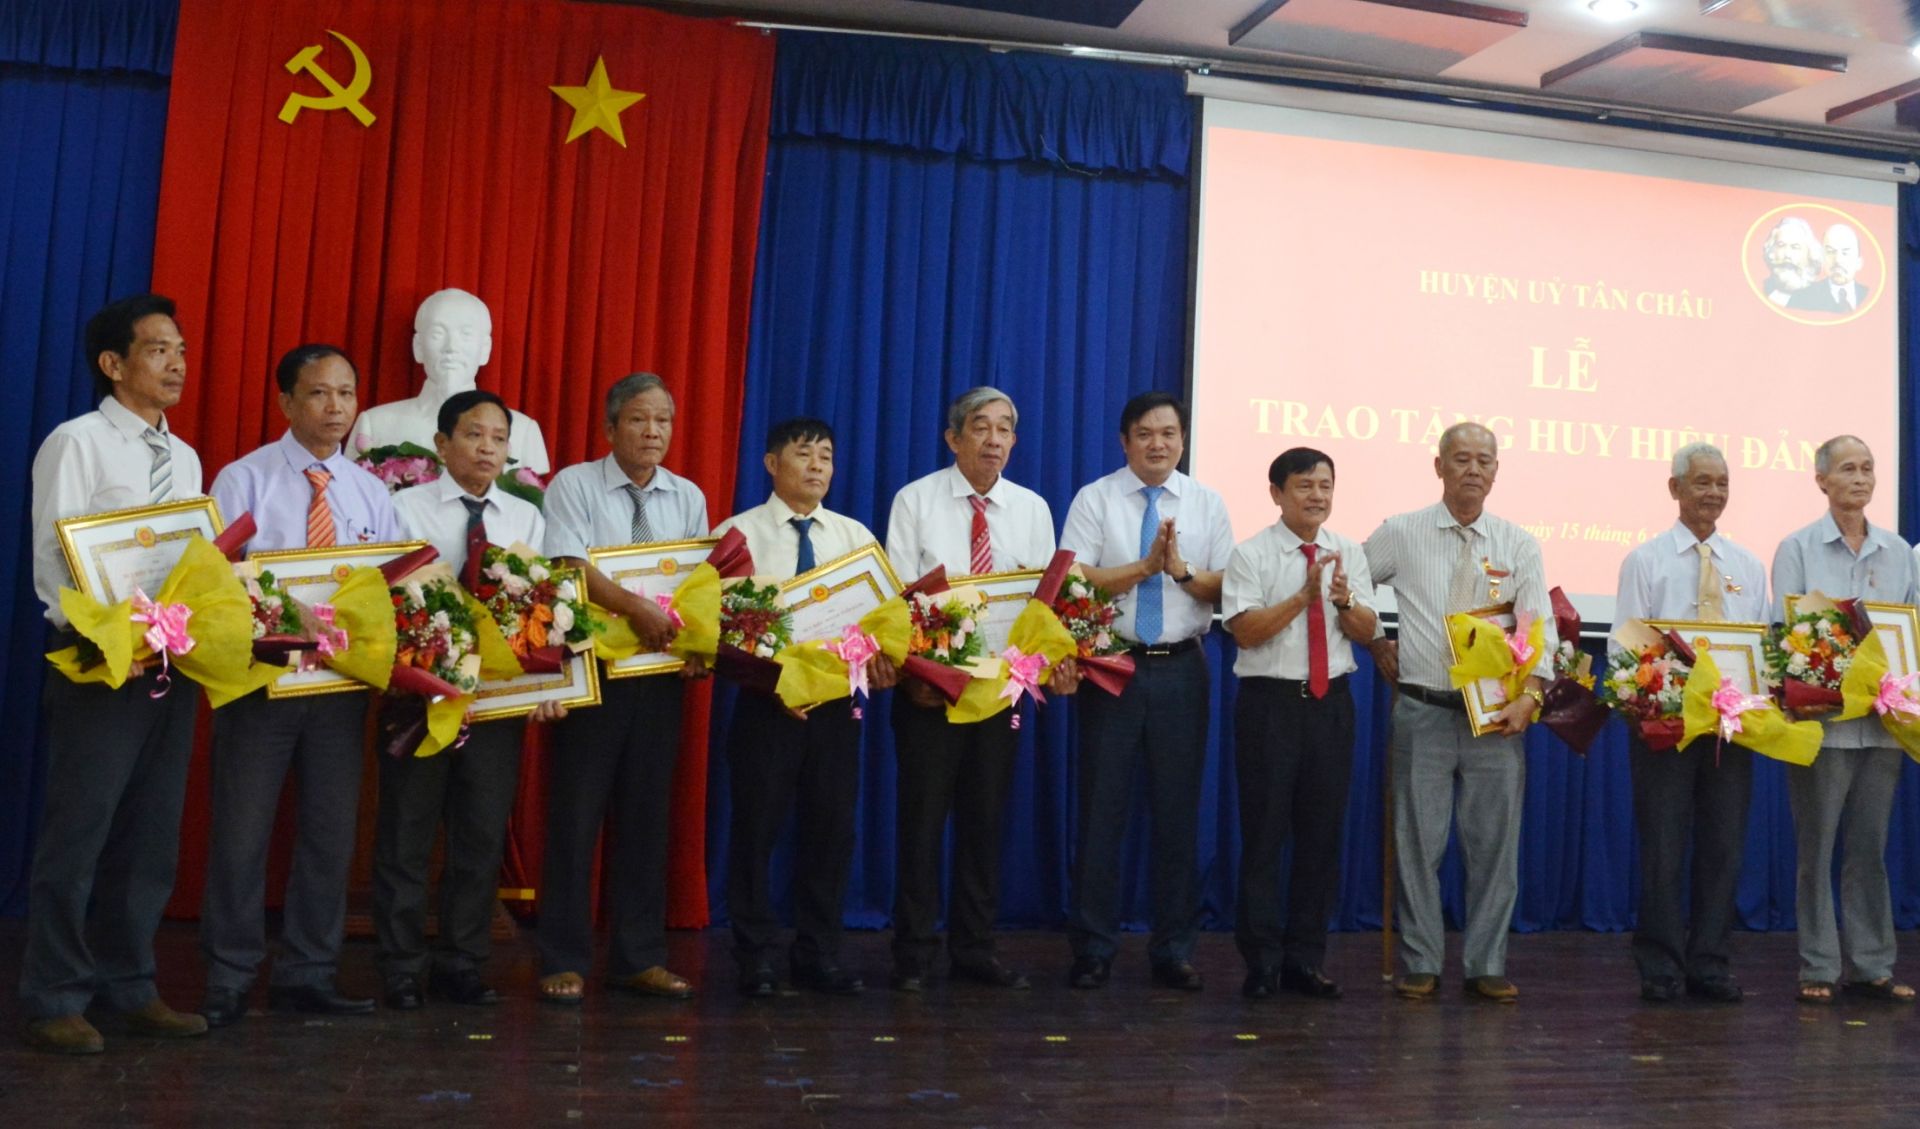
1578	1048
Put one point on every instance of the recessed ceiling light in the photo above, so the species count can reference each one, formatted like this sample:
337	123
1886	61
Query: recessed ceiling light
1613	9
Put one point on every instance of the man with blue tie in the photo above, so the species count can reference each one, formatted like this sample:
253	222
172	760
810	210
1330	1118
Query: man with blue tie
781	759
303	492
1160	542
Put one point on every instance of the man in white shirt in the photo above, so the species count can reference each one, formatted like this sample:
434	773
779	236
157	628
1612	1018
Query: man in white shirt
971	519
1159	541
613	765
1295	594
116	773
1690	572
1451	557
303	492
469	788
776	755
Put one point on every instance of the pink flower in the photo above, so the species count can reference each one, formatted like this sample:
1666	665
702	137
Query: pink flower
526	477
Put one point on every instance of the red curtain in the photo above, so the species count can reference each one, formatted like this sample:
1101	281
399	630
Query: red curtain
596	259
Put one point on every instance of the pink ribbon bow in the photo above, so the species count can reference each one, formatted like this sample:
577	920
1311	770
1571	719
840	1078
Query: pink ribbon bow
166	632
331	639
855	648
1518	644
1023	677
1896	697
1730	703
673	614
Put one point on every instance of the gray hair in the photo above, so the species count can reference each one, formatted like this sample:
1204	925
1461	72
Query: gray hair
1791	225
1467	427
634	384
971	401
1823	458
1683	458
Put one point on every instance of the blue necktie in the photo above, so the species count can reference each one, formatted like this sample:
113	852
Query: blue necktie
1146	608
804	526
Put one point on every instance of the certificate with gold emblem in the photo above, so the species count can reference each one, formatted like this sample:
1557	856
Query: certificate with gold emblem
113	554
826	600
311	576
1003	596
650	570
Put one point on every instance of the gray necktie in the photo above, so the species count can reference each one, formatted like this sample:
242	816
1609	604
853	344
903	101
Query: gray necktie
642	530
1463	589
160	479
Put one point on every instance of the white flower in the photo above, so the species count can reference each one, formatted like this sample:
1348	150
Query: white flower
966	626
441	622
567	591
563	618
940	653
1801	629
537	572
763	649
1797	664
1103	641
516	585
259	629
499	571
415	594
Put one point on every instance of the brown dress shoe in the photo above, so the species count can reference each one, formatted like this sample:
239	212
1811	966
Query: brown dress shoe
1499	989
1416	986
162	1022
64	1035
656	981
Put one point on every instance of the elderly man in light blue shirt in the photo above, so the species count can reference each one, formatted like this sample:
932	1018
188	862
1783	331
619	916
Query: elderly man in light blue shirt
1849	788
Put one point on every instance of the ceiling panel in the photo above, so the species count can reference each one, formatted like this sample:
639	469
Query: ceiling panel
1092	13
1422	37
1888	21
1705	75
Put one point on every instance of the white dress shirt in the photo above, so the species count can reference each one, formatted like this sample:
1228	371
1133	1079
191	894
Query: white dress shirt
775	544
433	512
91	464
1268	568
1103	531
1816	558
1661	580
1414	553
932	524
588	507
271	483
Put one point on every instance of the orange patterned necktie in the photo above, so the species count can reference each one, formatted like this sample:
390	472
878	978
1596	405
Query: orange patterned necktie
319	515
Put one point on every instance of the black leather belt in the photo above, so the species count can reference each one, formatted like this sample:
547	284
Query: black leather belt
1162	650
1445	699
1305	689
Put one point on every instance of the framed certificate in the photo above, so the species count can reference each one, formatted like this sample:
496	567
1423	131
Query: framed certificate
1897	625
1003	595
576	684
311	576
652	569
111	554
1738	649
839	593
1484	698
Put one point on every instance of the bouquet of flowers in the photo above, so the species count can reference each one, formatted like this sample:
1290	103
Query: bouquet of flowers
274	610
541	610
1088	613
401	465
435	636
1809	655
1571	711
753	629
945	627
1646	681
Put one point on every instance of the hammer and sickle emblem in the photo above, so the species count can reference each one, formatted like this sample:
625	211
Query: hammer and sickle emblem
339	97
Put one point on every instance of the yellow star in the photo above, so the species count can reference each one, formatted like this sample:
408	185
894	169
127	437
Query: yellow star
597	105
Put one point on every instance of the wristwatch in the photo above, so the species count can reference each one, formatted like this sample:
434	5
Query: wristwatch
1187	579
1348	606
1539	701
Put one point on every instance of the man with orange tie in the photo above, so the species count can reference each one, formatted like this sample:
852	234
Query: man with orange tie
1296	596
303	492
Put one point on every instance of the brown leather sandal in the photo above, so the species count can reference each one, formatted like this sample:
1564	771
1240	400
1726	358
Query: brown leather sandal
563	988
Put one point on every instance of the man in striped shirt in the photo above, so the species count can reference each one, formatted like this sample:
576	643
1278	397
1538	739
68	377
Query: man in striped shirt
1446	558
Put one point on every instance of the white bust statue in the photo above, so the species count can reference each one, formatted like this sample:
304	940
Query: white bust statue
452	338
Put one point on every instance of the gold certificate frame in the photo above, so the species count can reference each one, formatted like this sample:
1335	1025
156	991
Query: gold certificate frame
576	685
1738	649
111	554
1004	596
653	569
825	600
1484	698
312	576
1897	625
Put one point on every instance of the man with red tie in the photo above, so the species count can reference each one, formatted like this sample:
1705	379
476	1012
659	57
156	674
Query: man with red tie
1296	596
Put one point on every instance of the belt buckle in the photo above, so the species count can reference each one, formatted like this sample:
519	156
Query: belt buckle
1304	684
1158	650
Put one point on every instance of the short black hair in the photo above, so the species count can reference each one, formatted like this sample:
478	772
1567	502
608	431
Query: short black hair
1297	460
111	331
287	372
799	429
1147	401
460	403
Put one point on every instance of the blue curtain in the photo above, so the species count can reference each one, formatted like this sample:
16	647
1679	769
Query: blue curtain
83	104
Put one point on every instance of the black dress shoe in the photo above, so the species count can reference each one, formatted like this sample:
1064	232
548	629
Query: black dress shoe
1178	974
989	972
1309	982
1720	989
223	1007
829	979
316	1000
1090	972
1660	989
906	980
758	982
464	986
404	994
1260	984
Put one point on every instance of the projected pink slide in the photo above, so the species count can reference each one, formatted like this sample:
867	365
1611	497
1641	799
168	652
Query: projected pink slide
1360	298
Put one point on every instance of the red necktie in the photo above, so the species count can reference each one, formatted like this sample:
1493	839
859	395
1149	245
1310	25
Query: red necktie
981	559
1316	635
